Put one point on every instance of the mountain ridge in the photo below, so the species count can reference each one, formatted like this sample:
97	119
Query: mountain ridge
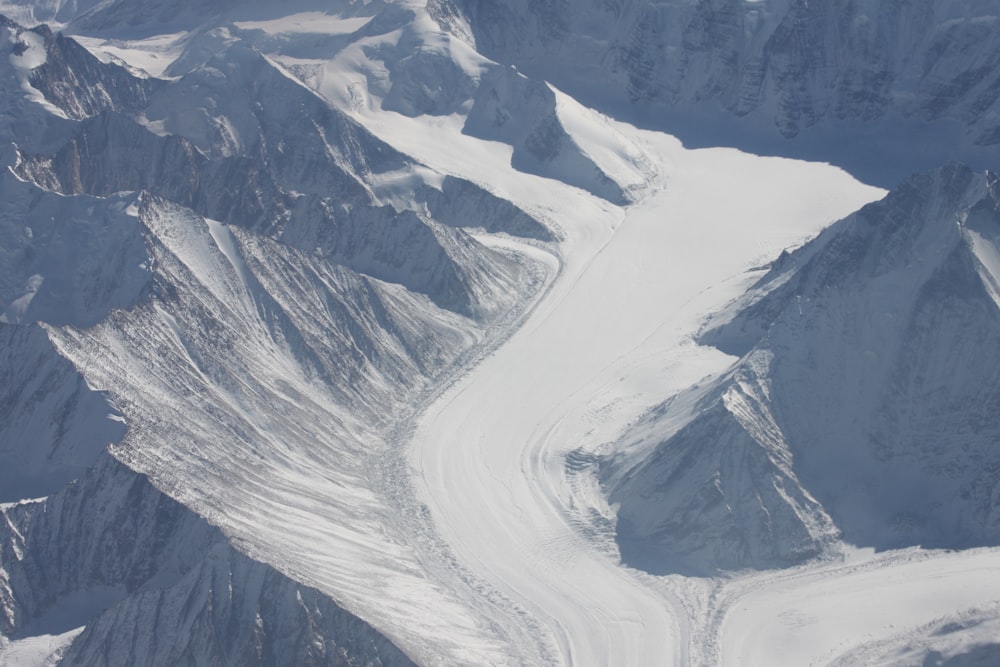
858	369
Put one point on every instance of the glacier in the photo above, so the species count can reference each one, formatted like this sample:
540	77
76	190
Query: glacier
393	332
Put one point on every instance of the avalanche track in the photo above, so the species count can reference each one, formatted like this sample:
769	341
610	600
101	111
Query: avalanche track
501	457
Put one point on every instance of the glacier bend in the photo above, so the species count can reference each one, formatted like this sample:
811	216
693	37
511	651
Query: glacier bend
368	332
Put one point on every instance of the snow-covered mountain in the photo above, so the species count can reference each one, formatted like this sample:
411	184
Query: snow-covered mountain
269	272
861	408
260	269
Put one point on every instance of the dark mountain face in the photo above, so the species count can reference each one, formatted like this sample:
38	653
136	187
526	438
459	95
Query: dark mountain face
852	82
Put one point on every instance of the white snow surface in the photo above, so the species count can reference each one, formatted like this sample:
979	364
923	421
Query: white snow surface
839	613
37	651
307	23
152	55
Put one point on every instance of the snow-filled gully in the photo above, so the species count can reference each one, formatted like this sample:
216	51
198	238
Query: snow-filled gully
609	338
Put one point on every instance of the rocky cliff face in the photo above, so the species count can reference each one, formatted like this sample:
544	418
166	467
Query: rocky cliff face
787	68
860	405
56	427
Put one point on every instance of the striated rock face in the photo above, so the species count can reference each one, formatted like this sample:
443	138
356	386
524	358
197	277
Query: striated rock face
797	67
81	86
862	405
233	611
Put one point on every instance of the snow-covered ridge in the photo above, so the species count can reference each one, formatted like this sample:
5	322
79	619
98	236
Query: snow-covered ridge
403	62
241	164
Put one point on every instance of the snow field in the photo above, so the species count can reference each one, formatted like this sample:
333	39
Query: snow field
37	651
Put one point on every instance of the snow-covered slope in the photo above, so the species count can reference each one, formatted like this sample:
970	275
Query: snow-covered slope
251	358
156	585
862	405
532	118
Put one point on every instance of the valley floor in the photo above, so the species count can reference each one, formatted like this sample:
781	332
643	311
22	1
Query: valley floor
503	459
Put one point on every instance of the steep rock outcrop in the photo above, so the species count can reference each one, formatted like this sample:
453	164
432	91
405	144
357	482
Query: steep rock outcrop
55	426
